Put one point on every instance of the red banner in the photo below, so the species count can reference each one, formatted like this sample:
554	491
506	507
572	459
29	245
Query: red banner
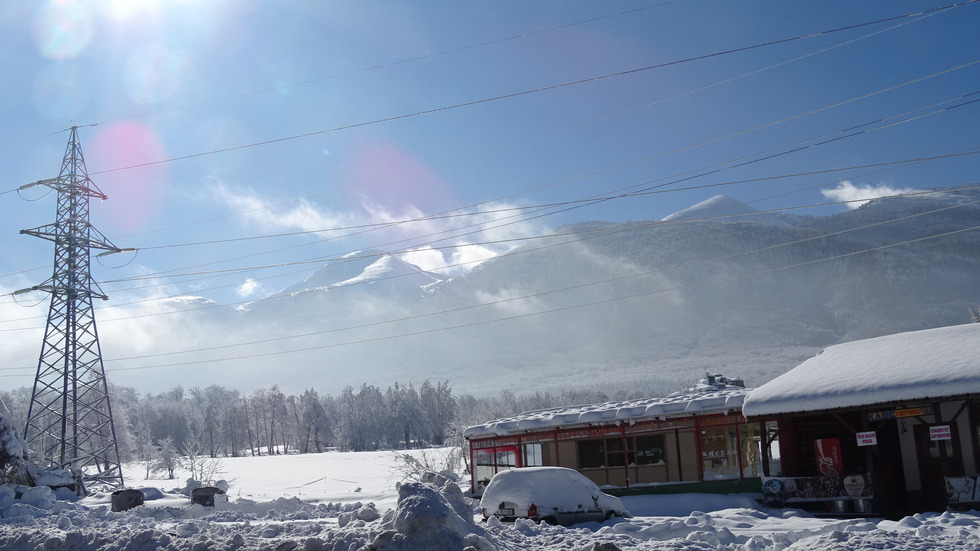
830	463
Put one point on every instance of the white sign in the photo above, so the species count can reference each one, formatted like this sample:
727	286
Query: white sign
940	432
869	438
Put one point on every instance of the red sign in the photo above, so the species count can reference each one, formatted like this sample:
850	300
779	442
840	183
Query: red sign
830	463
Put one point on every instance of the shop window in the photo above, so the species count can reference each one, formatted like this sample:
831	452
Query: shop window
614	452
650	450
751	450
719	452
484	468
770	446
532	455
506	458
591	453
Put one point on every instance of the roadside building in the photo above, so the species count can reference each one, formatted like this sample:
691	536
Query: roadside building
696	441
887	425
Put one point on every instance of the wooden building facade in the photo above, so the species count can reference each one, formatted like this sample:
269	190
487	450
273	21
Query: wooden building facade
692	441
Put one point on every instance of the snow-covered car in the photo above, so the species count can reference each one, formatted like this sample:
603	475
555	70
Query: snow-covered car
555	495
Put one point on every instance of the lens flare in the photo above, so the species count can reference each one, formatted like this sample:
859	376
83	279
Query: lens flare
63	28
135	195
152	74
61	91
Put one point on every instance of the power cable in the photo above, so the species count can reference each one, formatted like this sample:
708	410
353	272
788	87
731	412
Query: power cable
621	113
542	312
537	90
828	138
603	232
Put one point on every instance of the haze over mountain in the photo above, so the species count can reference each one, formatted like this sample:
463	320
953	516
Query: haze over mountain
595	303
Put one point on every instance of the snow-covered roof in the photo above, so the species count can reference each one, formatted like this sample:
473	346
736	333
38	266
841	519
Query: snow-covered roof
896	368
682	404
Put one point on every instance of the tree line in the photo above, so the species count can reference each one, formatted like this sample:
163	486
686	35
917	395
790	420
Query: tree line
211	422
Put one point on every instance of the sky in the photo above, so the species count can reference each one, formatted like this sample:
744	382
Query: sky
242	144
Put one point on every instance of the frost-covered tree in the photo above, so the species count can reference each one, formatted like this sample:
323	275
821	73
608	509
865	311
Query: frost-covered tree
144	451
313	423
440	407
406	411
13	460
280	426
169	459
371	413
259	420
348	425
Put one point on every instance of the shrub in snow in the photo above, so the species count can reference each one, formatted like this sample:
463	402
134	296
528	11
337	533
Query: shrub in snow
13	456
414	467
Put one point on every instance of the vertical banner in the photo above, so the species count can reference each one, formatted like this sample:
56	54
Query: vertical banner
829	460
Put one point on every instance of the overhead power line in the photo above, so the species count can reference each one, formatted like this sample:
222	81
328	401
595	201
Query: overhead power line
548	311
520	93
582	235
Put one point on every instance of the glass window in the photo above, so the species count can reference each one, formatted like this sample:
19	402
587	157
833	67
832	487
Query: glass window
719	452
751	450
484	468
532	455
650	450
771	448
591	453
506	458
614	452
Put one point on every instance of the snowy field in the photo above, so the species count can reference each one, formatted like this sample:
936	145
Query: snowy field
357	501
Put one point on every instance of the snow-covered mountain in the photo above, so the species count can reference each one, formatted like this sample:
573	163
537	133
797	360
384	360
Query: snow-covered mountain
365	267
721	206
619	303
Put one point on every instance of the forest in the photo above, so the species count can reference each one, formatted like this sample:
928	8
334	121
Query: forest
159	431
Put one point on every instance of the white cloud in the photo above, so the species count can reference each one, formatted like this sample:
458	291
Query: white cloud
426	258
445	244
301	215
861	193
249	288
511	301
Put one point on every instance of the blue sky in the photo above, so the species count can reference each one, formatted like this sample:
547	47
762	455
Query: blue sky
285	133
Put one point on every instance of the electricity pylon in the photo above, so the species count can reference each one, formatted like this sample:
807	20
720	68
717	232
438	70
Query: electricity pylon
69	421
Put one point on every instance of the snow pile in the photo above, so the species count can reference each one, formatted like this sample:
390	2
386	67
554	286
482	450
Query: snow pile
429	516
433	514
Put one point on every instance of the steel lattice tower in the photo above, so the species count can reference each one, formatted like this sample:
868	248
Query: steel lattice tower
69	421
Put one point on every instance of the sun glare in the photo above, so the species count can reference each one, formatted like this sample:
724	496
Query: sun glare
121	10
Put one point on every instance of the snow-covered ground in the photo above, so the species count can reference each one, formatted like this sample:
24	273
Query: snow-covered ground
350	501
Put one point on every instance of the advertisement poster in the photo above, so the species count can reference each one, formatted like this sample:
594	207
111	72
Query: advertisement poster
829	460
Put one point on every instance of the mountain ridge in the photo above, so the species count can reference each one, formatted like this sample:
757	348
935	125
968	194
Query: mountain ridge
604	301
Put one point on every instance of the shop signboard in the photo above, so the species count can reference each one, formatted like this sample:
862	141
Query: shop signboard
940	432
830	463
869	438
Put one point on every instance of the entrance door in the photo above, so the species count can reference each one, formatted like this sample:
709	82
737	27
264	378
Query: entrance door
937	460
887	476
